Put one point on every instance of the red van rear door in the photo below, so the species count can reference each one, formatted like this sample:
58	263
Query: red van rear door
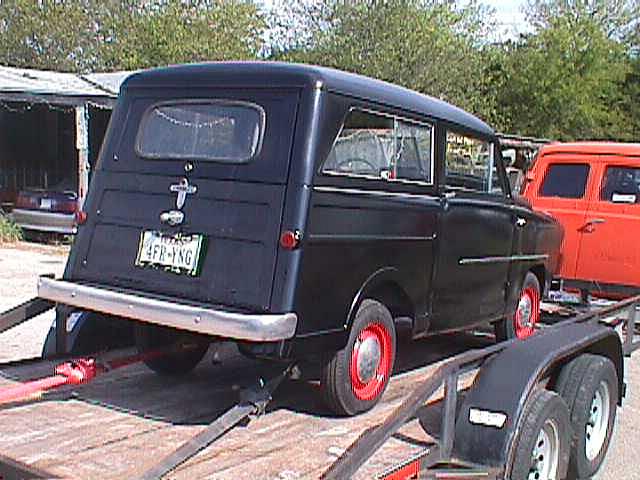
609	251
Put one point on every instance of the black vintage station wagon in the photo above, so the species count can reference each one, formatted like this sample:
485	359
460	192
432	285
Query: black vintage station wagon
304	213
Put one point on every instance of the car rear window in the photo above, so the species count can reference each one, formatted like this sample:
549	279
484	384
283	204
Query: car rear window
566	180
209	130
621	185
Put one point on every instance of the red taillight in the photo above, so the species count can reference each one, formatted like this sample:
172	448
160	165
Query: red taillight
289	240
65	206
26	201
81	217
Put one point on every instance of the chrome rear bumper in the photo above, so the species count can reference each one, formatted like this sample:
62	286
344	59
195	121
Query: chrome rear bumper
240	326
45	221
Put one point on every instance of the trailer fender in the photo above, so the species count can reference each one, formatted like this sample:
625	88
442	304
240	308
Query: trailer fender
489	417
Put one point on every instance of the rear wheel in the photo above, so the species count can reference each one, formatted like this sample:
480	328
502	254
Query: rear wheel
589	386
354	378
523	322
541	448
189	348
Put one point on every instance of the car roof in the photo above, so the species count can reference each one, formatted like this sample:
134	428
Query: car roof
598	148
280	74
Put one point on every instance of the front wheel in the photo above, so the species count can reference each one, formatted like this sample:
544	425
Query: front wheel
523	323
354	378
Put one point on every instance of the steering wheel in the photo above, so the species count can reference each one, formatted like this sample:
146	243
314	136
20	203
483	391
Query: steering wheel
346	165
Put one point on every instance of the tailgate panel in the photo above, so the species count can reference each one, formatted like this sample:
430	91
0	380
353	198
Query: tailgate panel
241	222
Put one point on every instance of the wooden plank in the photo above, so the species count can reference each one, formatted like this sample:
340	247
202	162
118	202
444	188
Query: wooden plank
125	421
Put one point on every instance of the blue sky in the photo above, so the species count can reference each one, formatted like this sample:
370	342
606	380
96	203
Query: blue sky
510	16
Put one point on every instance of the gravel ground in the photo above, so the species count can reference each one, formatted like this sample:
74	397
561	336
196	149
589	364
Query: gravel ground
20	265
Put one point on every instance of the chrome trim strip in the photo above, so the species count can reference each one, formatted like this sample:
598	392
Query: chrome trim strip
321	237
375	193
241	326
511	258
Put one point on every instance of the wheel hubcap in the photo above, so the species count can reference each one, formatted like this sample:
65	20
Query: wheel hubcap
527	313
545	454
598	422
371	361
369	354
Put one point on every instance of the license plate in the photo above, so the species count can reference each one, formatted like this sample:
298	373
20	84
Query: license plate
45	203
178	253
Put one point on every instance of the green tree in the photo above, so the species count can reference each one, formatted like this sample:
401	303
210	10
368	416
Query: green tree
138	34
81	35
564	81
431	46
49	34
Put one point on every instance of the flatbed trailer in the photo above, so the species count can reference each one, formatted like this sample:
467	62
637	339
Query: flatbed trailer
129	423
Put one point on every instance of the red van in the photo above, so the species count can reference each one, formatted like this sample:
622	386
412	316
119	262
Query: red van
593	189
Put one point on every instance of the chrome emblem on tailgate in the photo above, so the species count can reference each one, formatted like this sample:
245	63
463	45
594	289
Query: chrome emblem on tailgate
183	189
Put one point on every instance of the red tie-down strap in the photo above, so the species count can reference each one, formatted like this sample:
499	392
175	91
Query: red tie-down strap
73	372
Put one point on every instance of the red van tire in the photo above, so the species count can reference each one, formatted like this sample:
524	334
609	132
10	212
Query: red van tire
354	378
527	315
150	337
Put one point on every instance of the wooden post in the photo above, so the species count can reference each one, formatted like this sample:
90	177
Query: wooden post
82	144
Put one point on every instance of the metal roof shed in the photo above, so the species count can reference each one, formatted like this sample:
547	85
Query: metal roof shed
47	120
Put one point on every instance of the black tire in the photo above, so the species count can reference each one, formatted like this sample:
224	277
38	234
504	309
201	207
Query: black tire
150	337
543	410
345	394
506	329
578	383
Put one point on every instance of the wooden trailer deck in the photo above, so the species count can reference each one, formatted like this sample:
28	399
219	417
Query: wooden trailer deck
126	421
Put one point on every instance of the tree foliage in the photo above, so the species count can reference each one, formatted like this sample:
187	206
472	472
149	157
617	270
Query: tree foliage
81	35
433	47
564	81
575	75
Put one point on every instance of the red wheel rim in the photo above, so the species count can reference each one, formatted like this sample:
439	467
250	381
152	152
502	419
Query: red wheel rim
527	313
377	335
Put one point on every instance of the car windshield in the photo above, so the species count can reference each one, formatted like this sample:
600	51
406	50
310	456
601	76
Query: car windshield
223	131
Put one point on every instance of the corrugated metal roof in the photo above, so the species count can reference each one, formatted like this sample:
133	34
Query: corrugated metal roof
43	82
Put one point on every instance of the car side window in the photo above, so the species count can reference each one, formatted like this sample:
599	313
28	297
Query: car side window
621	185
565	180
378	146
470	164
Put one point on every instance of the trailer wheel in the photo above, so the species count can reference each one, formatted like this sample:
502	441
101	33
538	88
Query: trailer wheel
522	324
150	338
541	447
354	378
589	386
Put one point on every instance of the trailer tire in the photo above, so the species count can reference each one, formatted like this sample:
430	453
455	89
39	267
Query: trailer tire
150	337
528	306
543	439
589	386
354	378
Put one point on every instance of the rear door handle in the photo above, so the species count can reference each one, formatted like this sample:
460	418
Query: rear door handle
596	221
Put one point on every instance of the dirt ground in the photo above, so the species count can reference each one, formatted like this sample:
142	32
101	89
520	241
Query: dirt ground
20	264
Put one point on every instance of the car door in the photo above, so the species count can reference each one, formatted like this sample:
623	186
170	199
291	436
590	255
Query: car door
476	231
560	189
609	250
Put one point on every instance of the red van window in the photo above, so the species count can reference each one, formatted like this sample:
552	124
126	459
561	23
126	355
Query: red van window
621	185
566	180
